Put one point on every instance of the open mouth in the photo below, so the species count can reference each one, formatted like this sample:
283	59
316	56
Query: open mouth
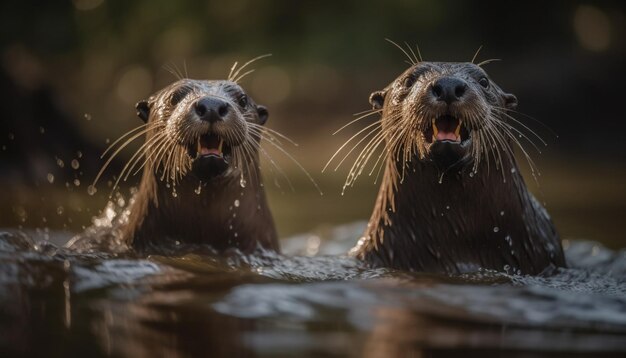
209	145
448	129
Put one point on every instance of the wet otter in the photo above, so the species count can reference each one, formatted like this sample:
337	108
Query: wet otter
452	198
201	182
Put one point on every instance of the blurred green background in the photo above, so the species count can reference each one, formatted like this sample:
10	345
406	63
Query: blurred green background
71	72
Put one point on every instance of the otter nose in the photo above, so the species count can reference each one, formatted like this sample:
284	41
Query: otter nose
211	109
449	89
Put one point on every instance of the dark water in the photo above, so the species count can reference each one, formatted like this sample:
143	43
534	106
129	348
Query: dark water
309	302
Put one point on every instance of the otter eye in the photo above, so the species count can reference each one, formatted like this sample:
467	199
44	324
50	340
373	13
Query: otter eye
243	101
484	82
409	81
178	95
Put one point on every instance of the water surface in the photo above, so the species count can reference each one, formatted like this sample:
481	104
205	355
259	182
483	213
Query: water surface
311	301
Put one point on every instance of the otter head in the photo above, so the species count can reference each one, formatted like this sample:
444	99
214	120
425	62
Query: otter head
442	112
207	129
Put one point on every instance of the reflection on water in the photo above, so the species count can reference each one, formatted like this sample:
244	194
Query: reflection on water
53	300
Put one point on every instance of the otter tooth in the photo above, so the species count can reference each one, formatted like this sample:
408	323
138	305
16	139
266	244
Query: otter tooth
457	131
435	130
219	147
199	146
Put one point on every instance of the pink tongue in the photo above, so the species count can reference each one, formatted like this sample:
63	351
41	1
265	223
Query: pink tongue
441	135
207	151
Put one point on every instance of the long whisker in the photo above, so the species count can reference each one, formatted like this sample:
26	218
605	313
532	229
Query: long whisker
236	72
488	62
547	127
106	164
122	137
369	113
348	141
476	53
298	164
411	61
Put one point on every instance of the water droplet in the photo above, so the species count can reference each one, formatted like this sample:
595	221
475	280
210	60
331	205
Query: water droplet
236	203
177	242
76	182
174	193
198	190
75	164
60	210
42	130
242	182
448	207
502	213
11	136
506	268
513	170
79	154
236	234
50	178
91	190
60	163
496	229
106	141
471	174
88	116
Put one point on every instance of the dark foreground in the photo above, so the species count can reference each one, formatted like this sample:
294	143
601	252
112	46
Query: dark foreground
57	303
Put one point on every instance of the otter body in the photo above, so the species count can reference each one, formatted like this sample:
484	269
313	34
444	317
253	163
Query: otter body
221	214
452	199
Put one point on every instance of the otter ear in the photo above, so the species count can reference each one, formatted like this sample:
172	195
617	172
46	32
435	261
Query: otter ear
143	110
377	99
263	114
510	101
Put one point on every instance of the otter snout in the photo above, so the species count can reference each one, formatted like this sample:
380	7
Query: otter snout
211	109
448	89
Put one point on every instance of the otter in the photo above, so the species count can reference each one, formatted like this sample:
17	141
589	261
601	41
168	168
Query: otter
452	199
201	182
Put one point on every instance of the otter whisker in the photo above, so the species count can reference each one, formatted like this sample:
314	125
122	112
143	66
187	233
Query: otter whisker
143	126
362	156
138	154
531	163
366	136
141	152
298	164
172	68
367	114
488	62
232	75
365	155
119	149
419	54
476	53
273	133
523	125
505	125
348	141
277	167
412	52
411	60
552	131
